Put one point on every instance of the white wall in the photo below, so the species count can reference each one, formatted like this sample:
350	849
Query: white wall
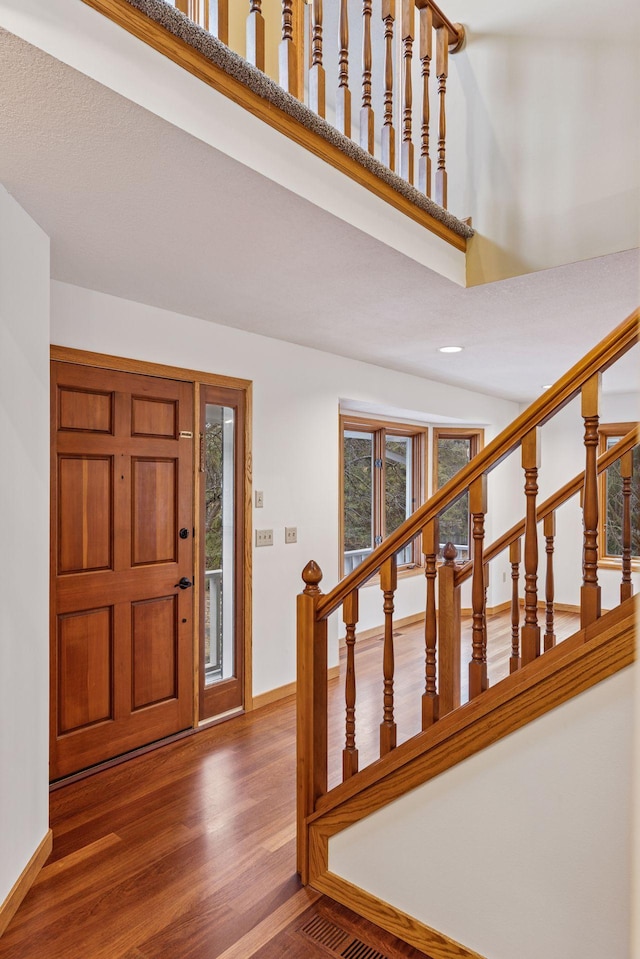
522	850
24	559
295	439
531	117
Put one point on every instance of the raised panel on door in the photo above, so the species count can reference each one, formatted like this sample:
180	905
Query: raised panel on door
86	410
155	651
85	503
122	629
154	500
154	417
85	669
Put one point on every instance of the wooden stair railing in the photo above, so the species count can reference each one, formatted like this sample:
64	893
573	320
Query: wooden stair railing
442	629
420	21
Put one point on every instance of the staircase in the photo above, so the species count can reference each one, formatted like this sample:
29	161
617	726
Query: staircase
544	673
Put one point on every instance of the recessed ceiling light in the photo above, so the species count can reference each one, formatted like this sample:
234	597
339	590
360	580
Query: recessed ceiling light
450	349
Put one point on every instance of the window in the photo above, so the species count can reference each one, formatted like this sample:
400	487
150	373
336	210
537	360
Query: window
452	450
382	474
610	515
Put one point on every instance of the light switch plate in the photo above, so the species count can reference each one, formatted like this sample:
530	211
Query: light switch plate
264	537
291	534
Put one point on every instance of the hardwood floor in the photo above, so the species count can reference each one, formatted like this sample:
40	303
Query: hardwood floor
188	852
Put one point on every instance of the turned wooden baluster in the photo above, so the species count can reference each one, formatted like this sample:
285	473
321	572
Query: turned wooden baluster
255	35
388	135
317	80
366	112
430	709
530	635
350	753
198	11
442	71
311	708
289	78
590	590
485	572
549	535
388	583
343	98
426	51
514	559
478	666
626	472
406	149
449	632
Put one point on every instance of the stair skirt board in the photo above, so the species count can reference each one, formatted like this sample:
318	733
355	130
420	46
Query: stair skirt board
429	942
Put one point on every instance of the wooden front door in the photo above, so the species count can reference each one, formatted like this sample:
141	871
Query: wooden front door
122	563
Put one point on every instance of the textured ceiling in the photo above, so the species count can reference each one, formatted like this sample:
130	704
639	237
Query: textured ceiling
137	208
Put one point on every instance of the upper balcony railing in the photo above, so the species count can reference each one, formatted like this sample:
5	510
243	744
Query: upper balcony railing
388	69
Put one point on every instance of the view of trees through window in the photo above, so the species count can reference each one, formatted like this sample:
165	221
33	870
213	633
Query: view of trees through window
213	488
378	490
453	452
614	505
358	491
397	499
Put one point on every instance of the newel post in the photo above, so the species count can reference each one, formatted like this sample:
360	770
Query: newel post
449	633
311	709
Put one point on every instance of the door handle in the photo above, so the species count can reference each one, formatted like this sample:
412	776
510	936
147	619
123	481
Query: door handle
184	583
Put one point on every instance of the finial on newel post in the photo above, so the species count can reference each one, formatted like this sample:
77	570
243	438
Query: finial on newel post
449	554
312	577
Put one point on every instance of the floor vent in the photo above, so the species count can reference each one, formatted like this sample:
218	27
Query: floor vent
338	941
359	950
325	932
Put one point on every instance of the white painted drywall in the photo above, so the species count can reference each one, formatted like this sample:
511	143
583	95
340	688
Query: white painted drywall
295	439
24	559
522	850
534	102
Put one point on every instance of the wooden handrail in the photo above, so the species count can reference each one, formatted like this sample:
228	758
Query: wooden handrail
628	441
440	20
600	358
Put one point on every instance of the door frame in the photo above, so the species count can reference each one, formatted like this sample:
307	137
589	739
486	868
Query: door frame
64	354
